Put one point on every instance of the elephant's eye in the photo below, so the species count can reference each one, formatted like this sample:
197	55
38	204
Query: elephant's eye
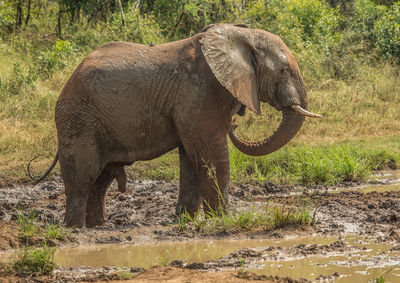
284	72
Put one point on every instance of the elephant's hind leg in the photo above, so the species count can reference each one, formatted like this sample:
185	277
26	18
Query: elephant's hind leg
95	209
78	179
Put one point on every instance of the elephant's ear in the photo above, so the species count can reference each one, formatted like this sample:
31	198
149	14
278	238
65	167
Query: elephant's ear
230	58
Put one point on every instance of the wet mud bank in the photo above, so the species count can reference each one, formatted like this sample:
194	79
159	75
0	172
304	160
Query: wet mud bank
356	235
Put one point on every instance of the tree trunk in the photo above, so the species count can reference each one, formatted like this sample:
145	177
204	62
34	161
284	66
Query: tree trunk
122	13
18	16
59	23
28	15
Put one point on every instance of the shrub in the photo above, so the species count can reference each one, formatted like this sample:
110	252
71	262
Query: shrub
138	28
387	33
18	81
6	18
310	21
366	13
54	59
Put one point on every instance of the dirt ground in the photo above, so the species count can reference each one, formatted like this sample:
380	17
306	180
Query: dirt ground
147	209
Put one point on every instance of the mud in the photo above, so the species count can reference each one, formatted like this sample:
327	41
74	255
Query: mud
144	216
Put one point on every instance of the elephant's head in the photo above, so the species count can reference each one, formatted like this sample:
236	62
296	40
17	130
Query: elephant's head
255	65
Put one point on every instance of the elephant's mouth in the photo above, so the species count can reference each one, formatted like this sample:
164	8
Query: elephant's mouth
292	119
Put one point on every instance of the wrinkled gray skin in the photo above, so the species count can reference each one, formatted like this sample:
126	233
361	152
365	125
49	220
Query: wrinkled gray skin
127	102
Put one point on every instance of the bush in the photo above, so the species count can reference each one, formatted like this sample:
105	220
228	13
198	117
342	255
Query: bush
366	13
18	81
54	59
310	21
6	18
138	28
387	33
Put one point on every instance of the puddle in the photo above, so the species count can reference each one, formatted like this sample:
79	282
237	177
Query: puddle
161	253
387	175
371	261
363	262
388	181
369	189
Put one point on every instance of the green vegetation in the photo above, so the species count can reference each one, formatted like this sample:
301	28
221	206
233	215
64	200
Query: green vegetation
163	260
34	260
267	218
29	229
125	274
348	52
324	164
56	231
37	259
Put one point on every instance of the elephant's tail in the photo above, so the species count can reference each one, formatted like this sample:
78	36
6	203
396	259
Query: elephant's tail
37	180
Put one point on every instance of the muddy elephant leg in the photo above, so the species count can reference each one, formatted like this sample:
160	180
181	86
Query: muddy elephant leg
189	191
205	174
95	208
78	178
214	175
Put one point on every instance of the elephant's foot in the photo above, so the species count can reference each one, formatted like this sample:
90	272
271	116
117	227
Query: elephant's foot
77	222
187	204
216	204
74	216
94	217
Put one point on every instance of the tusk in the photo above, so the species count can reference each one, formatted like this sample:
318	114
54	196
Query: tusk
303	112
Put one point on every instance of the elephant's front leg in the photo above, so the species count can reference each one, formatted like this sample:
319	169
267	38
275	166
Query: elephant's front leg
204	174
214	175
189	190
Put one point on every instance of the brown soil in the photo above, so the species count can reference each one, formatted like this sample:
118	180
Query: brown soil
147	209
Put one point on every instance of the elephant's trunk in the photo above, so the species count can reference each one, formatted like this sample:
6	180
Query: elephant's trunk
290	125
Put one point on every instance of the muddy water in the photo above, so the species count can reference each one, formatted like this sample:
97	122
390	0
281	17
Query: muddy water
360	263
148	255
387	181
369	260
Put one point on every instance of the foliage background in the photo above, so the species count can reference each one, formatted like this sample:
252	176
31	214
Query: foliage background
348	52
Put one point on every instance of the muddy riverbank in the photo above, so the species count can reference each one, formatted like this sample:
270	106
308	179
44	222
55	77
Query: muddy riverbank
356	226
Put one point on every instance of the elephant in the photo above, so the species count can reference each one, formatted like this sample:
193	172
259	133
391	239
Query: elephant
128	102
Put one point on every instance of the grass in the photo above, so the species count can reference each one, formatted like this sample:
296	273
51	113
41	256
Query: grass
269	217
125	274
29	229
305	164
34	260
163	260
31	260
56	231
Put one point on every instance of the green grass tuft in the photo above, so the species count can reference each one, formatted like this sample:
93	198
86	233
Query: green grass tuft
27	226
29	229
34	260
269	218
329	165
56	231
380	279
